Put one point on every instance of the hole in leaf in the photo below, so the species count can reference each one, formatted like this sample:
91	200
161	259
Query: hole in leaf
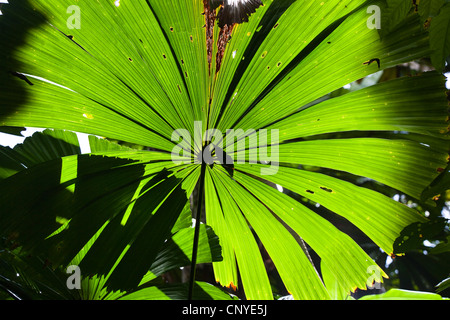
21	77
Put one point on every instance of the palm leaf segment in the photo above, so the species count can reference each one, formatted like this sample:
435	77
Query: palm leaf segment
138	70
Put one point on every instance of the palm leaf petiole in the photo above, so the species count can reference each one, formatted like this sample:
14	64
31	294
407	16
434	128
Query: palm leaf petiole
198	216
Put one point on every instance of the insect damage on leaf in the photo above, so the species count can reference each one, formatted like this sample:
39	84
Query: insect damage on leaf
326	189
224	37
231	12
21	76
210	17
373	60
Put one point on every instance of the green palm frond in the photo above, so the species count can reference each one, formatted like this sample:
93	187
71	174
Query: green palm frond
139	71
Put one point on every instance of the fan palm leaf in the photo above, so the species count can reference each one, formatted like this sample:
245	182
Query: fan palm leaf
139	71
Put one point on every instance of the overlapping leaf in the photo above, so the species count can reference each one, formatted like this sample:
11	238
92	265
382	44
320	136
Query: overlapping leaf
173	252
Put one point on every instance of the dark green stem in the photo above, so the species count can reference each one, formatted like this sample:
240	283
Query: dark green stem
198	217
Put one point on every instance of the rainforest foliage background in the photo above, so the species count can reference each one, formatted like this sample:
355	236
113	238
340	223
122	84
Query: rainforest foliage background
343	104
